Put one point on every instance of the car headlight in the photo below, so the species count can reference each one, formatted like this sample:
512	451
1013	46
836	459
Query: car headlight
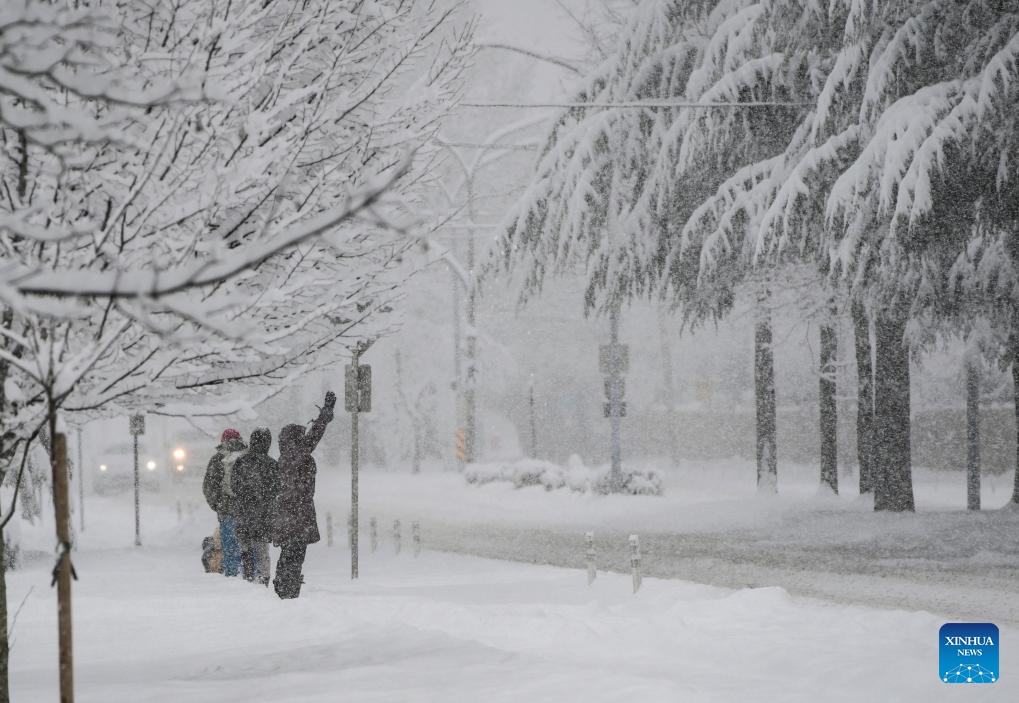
102	467
180	467
179	454
151	466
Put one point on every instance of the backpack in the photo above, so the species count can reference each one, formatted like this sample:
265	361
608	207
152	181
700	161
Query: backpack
212	554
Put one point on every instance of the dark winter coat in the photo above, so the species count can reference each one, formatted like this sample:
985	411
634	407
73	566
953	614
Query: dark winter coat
255	482
216	485
294	518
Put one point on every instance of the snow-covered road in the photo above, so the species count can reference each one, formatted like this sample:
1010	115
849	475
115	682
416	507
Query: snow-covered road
713	529
975	590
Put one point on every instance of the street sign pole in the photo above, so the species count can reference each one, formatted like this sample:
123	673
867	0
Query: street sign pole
137	428
357	399
354	460
137	499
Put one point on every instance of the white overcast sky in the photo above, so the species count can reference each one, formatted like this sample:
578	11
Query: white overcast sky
538	25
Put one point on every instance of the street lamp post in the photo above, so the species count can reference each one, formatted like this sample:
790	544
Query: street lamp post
464	275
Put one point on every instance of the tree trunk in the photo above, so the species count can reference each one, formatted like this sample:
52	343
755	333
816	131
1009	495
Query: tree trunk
415	466
865	398
764	389
972	433
1015	393
829	412
669	388
893	481
64	570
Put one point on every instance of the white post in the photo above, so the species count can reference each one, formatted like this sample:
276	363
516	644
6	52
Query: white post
396	535
592	572
373	530
635	561
415	529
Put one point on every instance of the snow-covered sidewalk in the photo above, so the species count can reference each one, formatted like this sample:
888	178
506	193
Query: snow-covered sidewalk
150	626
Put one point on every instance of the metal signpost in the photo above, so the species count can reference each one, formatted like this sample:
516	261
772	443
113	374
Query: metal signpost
137	428
356	399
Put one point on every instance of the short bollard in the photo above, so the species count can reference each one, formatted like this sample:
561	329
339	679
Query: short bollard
329	529
635	561
415	531
373	529
396	535
592	572
180	512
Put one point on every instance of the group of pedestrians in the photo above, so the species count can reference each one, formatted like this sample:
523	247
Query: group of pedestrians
259	500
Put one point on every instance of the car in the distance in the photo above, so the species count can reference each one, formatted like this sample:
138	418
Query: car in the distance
114	472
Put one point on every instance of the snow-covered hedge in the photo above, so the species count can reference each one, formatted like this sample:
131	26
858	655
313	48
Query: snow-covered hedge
575	476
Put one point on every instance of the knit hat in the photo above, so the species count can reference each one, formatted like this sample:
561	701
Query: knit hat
229	434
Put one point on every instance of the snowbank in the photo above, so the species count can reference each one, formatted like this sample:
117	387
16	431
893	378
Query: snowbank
574	476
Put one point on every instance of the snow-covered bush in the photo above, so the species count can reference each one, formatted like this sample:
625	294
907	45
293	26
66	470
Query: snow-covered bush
574	476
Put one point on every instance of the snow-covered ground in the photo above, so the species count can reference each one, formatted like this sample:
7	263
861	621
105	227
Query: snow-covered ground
151	626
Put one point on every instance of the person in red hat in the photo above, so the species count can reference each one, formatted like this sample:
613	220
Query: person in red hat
219	494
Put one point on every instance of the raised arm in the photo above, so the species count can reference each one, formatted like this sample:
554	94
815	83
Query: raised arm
318	427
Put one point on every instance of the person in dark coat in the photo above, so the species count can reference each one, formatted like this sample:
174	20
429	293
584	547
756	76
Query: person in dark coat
218	491
295	524
255	482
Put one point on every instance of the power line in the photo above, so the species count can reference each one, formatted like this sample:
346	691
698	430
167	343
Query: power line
494	146
638	105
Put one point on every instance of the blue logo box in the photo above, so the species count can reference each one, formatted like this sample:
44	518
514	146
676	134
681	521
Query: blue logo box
968	652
